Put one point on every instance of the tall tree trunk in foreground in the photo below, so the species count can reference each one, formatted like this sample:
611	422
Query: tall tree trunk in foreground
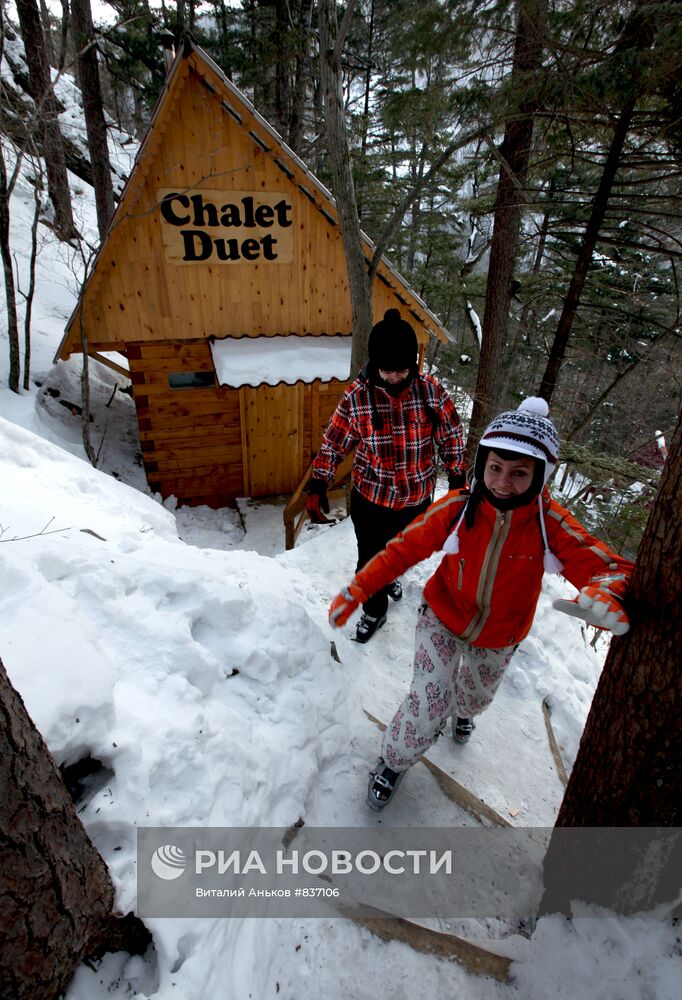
93	109
627	770
56	894
509	201
629	761
344	190
47	116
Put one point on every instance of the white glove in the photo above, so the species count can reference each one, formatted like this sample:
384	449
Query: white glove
598	605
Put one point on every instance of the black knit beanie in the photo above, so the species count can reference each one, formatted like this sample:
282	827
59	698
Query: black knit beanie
393	344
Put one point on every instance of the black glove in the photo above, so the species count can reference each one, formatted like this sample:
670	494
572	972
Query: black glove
317	504
457	480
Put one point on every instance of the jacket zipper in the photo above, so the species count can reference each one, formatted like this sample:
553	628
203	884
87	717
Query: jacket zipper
487	578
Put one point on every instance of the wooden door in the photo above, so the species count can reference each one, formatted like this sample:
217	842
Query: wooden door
272	420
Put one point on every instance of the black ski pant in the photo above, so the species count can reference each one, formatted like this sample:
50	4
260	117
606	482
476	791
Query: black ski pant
374	527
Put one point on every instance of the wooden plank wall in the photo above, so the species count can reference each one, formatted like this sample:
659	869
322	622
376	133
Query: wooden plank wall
210	445
190	438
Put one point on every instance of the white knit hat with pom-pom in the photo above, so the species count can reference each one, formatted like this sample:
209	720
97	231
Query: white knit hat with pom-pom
527	431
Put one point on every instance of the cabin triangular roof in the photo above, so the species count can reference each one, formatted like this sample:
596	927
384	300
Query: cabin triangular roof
116	282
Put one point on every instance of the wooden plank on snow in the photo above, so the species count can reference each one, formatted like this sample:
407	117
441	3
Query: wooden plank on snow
475	959
458	793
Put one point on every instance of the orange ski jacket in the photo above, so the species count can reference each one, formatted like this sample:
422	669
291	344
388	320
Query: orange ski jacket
487	593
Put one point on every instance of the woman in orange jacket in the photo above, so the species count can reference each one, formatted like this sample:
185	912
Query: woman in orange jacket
497	540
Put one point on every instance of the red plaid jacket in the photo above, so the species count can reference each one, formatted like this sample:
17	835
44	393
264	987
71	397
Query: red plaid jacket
395	463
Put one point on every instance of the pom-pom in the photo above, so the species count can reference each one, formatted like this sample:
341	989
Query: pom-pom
451	546
535	404
551	563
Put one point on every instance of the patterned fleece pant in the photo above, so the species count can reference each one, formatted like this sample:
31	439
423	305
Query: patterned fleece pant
450	678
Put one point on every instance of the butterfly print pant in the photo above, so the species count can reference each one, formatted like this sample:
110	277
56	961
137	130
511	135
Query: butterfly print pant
450	678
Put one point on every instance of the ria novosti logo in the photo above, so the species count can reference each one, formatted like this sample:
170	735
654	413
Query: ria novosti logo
168	862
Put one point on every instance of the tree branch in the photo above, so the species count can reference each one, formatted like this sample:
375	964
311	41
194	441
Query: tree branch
398	213
343	31
36	534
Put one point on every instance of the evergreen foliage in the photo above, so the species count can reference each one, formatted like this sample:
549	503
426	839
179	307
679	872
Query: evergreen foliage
428	90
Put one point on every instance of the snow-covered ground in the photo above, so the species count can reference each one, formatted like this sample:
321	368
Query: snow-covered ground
191	655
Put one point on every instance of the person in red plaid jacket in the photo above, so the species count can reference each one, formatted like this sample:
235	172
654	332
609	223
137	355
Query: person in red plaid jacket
395	419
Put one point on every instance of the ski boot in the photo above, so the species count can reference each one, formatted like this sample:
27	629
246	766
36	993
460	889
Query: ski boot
395	590
462	729
383	784
367	626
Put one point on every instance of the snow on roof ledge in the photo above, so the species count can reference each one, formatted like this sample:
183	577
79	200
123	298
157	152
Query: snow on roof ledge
270	360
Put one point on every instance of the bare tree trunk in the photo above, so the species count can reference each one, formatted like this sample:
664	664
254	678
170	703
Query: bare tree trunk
368	80
344	190
638	34
64	35
225	62
6	254
49	46
10	291
305	11
181	7
28	308
589	242
85	397
47	116
527	310
56	894
138	113
282	89
515	153
88	71
627	770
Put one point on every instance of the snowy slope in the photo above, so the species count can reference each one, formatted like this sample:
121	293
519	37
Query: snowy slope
193	659
123	644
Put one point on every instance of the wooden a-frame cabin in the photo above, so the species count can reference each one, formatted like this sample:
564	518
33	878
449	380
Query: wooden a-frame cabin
222	279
